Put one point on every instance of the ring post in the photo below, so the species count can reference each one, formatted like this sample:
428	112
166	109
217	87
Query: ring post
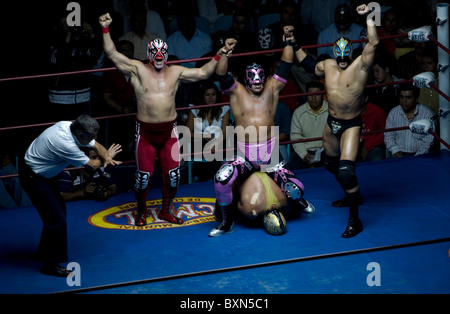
444	69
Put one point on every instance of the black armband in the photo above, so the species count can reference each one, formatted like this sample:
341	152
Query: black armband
282	72
309	64
226	82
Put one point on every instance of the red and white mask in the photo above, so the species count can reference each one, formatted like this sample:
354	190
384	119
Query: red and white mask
157	52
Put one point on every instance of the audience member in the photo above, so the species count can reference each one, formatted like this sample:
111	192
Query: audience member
404	142
309	121
389	27
343	26
410	63
247	40
188	42
208	125
429	97
154	23
289	15
320	13
372	144
119	97
139	35
383	70
11	193
72	49
87	182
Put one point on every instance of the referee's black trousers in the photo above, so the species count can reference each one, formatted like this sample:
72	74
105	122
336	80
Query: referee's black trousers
51	207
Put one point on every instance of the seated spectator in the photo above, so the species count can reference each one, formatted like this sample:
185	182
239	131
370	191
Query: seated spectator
154	22
12	194
383	72
389	27
308	121
239	30
404	142
343	26
410	63
320	14
429	97
372	145
208	125
188	42
289	15
139	35
87	183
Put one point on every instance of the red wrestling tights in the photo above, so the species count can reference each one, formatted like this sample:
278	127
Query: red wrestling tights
157	140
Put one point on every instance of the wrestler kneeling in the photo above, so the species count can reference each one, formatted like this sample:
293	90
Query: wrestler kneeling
259	198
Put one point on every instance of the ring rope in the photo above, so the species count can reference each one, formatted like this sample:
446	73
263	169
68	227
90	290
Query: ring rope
432	86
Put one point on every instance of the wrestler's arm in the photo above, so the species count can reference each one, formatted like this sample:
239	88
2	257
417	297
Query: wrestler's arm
279	79
368	54
189	75
309	63
124	64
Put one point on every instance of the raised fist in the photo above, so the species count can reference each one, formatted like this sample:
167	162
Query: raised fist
105	20
362	9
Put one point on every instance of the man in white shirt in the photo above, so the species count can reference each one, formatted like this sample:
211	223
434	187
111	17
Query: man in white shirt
48	155
308	121
404	142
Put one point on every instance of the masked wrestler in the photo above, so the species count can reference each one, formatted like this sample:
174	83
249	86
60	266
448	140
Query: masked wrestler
254	105
155	85
345	82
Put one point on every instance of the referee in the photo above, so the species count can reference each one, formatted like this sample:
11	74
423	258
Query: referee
52	151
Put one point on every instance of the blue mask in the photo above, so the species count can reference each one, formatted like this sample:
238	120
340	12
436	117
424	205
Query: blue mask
342	50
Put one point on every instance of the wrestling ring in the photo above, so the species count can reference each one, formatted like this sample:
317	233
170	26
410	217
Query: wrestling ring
404	248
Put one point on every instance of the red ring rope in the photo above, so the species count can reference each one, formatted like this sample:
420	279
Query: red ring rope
432	86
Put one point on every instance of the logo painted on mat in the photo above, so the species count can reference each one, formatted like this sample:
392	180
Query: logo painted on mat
193	211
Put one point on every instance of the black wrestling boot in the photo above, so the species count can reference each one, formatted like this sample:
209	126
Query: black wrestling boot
353	228
140	219
227	225
344	202
53	269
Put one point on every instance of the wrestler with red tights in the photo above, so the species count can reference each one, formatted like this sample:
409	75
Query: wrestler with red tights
155	85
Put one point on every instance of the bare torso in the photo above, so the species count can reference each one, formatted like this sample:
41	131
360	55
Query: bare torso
254	110
344	89
155	92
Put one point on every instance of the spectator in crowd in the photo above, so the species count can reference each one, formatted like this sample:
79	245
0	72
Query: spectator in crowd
72	49
309	121
406	143
385	96
154	23
320	13
208	125
188	42
289	15
372	146
343	26
389	27
139	35
429	97
239	30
